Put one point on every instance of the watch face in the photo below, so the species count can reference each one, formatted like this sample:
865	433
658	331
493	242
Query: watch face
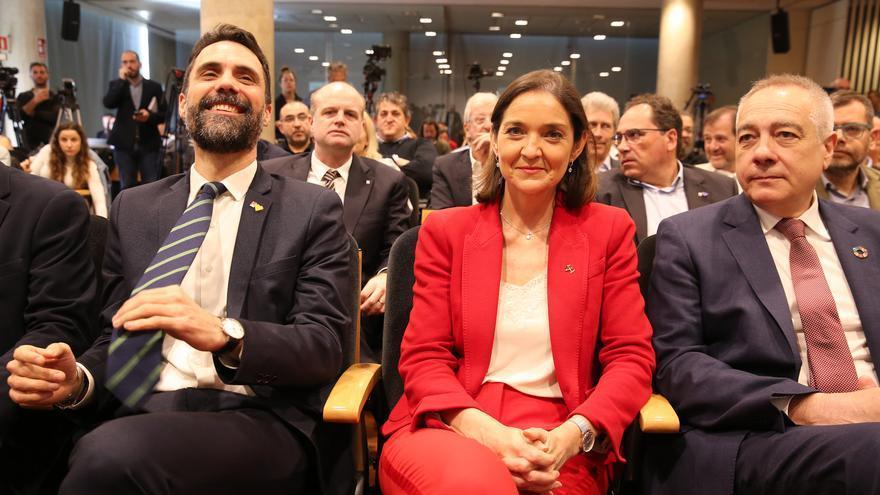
233	328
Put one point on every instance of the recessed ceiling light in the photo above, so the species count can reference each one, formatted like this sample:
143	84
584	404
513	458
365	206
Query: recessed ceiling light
426	20
499	74
494	28
317	11
506	54
617	24
143	14
515	36
521	22
368	51
430	33
345	31
502	68
441	60
443	66
616	69
599	37
448	72
497	14
299	50
437	53
557	68
325	64
333	25
565	62
504	61
575	56
330	18
604	74
313	57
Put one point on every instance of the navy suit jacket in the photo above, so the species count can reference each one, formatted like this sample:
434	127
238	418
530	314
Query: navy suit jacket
287	287
127	133
375	209
47	278
453	181
700	187
723	333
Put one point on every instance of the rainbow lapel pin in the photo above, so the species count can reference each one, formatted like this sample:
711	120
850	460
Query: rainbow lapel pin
256	206
860	252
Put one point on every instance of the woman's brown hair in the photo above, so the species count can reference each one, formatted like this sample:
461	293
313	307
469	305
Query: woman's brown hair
57	158
578	187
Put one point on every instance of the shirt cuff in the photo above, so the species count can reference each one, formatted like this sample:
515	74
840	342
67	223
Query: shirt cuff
232	362
782	403
88	383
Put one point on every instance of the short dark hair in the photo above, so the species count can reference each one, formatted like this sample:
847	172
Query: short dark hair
396	99
284	69
578	187
718	113
429	122
664	115
136	56
844	97
37	64
235	34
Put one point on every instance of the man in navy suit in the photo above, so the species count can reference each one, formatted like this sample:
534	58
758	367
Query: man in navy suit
765	318
140	109
374	195
251	338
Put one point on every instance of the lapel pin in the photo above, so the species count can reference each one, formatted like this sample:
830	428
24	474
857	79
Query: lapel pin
702	194
368	181
569	268
860	252
256	206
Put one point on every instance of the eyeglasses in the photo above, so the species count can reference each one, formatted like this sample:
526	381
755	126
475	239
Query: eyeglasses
852	130
289	119
632	136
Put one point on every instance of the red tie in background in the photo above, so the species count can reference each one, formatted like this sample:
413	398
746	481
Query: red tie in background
828	354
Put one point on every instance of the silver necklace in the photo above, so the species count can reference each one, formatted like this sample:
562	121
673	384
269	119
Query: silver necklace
528	234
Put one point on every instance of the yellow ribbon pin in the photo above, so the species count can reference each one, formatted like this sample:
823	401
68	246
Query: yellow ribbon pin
256	206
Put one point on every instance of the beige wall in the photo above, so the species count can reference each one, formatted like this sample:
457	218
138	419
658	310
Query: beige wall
793	62
826	42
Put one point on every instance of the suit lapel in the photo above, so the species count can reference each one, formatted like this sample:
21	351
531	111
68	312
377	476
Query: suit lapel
169	206
695	189
862	274
247	242
463	178
567	275
480	280
635	205
357	190
300	166
4	191
746	241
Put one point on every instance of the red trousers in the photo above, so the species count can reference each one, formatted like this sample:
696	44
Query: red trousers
436	461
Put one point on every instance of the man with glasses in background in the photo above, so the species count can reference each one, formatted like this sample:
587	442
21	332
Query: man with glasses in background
850	178
295	124
651	184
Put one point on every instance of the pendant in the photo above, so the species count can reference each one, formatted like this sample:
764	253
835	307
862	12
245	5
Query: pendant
529	236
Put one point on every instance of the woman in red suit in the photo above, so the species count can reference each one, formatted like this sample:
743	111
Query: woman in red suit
528	351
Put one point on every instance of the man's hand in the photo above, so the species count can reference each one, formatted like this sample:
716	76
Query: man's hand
141	115
169	309
41	95
123	73
480	147
373	295
861	406
41	378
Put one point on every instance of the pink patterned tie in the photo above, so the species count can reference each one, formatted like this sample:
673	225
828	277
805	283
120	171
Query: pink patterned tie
831	364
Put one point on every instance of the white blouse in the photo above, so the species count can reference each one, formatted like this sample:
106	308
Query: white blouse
521	355
40	166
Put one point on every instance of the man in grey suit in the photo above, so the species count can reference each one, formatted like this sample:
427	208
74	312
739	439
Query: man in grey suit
651	184
765	318
455	173
246	345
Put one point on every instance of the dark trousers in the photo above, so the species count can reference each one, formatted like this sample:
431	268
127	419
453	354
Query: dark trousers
34	446
130	162
811	459
231	451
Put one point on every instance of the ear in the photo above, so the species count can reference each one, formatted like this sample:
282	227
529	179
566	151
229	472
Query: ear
829	144
181	105
267	114
672	138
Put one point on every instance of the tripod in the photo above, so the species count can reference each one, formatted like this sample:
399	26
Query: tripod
8	106
175	136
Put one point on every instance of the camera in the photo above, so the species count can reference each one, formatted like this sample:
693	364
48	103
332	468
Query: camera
67	90
373	73
475	73
8	81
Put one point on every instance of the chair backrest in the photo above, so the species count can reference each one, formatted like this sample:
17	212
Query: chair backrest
413	190
398	303
646	263
97	241
351	340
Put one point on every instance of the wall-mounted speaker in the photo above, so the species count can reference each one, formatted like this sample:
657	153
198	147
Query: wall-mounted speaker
779	31
70	21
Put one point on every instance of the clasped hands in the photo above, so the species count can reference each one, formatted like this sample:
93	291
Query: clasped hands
42	377
533	456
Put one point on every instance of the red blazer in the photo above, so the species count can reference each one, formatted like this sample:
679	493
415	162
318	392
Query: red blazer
600	337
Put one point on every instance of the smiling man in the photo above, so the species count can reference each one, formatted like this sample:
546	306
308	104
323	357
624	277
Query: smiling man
414	156
651	184
849	178
719	141
224	306
765	318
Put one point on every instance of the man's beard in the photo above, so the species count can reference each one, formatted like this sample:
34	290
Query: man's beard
300	143
844	166
223	133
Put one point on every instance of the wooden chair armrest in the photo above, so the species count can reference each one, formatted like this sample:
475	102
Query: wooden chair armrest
83	192
658	416
425	213
347	399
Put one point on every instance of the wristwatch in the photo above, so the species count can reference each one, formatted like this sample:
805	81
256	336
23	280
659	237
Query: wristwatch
588	438
234	333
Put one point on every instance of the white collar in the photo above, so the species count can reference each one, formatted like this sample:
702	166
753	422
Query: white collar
320	168
237	184
810	217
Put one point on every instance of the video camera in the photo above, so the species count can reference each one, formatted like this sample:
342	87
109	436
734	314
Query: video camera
475	73
8	81
373	73
67	91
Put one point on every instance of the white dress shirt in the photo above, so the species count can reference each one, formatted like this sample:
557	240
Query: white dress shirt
818	237
319	168
663	202
476	168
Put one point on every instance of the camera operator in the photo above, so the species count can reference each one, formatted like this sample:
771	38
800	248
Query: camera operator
140	109
39	107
